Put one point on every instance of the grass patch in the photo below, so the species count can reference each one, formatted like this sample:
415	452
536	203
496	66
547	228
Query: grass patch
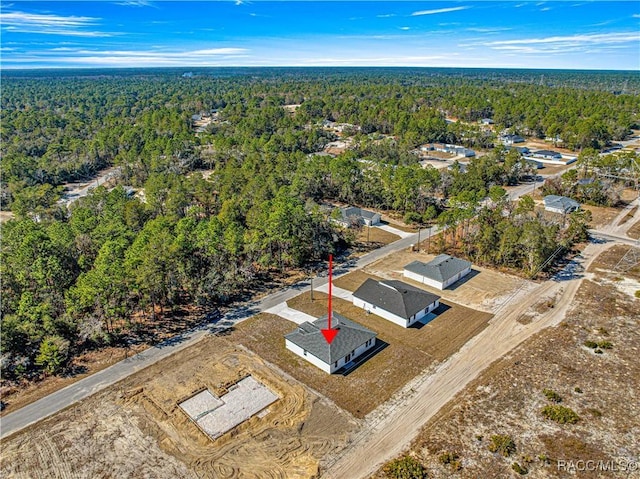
376	235
560	414
502	444
552	395
406	467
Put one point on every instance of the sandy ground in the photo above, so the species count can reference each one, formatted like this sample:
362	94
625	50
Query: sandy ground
507	398
135	429
395	431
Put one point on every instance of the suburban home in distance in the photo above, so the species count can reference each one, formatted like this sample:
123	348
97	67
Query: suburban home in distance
396	301
487	121
441	272
511	139
308	342
560	204
547	155
352	215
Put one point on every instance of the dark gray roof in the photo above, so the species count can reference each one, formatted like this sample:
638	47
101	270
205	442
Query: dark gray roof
547	153
561	203
441	268
397	297
351	211
350	336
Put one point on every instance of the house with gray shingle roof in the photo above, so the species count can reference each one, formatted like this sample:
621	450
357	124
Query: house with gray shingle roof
395	301
352	215
308	342
441	272
560	204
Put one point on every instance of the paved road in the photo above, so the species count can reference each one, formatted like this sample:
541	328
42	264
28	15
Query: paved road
75	392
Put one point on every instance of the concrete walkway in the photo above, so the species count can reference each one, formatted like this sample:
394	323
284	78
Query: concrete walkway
337	292
290	314
395	231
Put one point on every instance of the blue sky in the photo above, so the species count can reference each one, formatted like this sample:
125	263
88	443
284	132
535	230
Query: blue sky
135	33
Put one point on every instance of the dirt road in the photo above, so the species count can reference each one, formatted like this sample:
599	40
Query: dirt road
394	433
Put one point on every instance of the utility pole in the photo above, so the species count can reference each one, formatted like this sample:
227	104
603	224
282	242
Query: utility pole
418	249
311	281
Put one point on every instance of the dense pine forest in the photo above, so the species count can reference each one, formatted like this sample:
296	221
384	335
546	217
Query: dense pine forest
77	277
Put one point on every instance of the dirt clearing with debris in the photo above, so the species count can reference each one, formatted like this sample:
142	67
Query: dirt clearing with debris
136	429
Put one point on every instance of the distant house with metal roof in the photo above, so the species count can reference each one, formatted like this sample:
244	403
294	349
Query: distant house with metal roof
487	121
352	215
395	301
547	155
441	272
352	340
560	204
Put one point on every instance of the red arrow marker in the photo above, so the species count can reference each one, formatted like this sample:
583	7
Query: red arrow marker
329	334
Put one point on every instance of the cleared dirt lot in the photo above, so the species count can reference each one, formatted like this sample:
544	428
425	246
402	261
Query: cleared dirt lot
136	429
482	289
634	231
508	397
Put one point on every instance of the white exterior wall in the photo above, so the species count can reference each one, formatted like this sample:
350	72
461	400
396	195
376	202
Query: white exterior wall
436	284
309	357
380	312
393	317
457	277
554	210
327	368
374	220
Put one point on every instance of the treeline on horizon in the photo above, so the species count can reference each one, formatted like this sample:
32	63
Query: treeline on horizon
86	277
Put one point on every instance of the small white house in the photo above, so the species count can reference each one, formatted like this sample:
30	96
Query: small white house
560	204
547	155
441	272
308	342
352	215
395	301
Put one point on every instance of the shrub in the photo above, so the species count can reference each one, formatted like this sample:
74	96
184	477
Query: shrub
543	458
578	390
560	414
53	354
519	469
637	294
502	444
552	395
406	467
412	217
452	459
591	344
598	351
605	345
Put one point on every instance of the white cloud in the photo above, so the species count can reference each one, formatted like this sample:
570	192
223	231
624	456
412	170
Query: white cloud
404	28
564	44
387	15
50	24
136	3
127	58
621	37
439	10
489	29
636	15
